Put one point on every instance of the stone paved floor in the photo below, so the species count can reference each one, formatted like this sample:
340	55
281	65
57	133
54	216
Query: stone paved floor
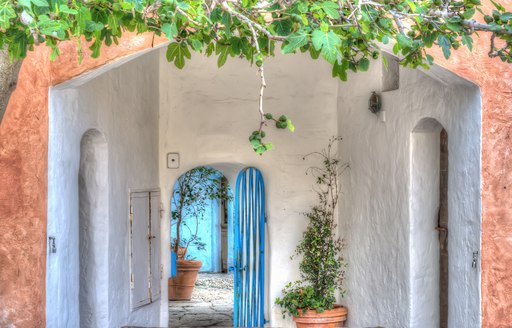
211	304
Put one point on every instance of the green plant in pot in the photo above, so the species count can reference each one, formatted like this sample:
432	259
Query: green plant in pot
312	300
191	198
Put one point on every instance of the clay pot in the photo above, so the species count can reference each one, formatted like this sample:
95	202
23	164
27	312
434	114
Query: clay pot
181	286
328	319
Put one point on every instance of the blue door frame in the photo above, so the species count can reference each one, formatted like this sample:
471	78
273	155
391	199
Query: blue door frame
249	225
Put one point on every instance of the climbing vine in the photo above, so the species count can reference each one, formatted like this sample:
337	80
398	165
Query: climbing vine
347	34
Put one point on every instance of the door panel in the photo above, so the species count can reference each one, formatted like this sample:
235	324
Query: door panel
249	228
155	245
140	269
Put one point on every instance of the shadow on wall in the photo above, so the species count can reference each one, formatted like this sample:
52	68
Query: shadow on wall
93	229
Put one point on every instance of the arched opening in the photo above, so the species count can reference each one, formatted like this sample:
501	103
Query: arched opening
93	230
428	207
202	230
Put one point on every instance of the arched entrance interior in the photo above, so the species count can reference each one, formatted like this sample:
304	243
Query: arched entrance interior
428	208
201	233
93	230
201	230
206	223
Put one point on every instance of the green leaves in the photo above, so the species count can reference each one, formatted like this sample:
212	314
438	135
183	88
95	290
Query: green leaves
256	140
346	33
6	14
445	44
403	40
222	50
177	52
363	64
40	3
327	43
331	9
467	41
295	41
282	27
170	30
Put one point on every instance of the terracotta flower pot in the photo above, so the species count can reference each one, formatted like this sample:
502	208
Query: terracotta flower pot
328	319
181	286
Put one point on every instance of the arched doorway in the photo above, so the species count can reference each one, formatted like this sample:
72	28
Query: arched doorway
246	228
201	234
428	210
93	230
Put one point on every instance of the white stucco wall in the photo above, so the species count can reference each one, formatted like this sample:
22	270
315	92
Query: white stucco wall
147	108
374	214
423	219
207	115
123	105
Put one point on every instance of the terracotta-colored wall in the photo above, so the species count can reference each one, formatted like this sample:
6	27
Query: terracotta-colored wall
495	80
23	177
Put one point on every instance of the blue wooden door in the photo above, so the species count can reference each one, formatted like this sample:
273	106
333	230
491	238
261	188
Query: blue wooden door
249	226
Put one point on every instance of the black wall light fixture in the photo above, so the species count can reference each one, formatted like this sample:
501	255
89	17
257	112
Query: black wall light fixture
374	103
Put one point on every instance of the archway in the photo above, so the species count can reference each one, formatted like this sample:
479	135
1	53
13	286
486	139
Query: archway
201	206
428	210
93	230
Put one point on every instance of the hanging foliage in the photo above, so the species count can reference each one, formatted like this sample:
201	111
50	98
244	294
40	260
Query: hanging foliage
347	34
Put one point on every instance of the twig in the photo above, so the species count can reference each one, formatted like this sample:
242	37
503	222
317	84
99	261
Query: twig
186	15
251	23
262	77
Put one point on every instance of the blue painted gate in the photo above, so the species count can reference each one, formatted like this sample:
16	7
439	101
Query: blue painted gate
249	226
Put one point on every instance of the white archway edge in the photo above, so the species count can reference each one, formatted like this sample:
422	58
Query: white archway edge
93	229
122	103
423	212
148	108
374	215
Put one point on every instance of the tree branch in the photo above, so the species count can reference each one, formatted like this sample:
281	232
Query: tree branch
251	23
9	71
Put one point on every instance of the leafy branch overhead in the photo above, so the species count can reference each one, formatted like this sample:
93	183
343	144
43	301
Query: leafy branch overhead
345	33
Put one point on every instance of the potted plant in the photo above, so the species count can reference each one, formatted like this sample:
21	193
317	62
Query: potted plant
192	194
311	301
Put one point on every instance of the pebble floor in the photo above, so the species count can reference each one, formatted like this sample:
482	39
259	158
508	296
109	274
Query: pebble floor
211	304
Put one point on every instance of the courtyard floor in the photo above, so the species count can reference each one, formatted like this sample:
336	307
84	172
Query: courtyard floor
211	304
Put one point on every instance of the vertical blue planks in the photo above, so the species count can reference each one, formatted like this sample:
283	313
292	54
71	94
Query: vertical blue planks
173	264
249	226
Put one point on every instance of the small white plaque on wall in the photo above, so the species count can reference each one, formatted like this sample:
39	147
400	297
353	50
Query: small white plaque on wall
173	160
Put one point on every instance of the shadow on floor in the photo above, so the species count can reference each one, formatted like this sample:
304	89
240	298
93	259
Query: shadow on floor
211	304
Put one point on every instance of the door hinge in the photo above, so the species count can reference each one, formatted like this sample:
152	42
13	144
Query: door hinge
132	285
131	209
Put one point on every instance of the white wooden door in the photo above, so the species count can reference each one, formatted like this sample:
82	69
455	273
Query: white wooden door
140	255
155	245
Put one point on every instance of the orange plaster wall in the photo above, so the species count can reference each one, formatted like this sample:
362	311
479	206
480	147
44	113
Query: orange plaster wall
23	177
495	80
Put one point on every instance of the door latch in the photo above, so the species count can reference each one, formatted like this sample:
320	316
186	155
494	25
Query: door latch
475	260
51	245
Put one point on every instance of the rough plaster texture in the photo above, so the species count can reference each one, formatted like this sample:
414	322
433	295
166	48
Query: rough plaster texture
495	81
374	214
23	176
93	229
122	104
23	167
423	216
207	114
